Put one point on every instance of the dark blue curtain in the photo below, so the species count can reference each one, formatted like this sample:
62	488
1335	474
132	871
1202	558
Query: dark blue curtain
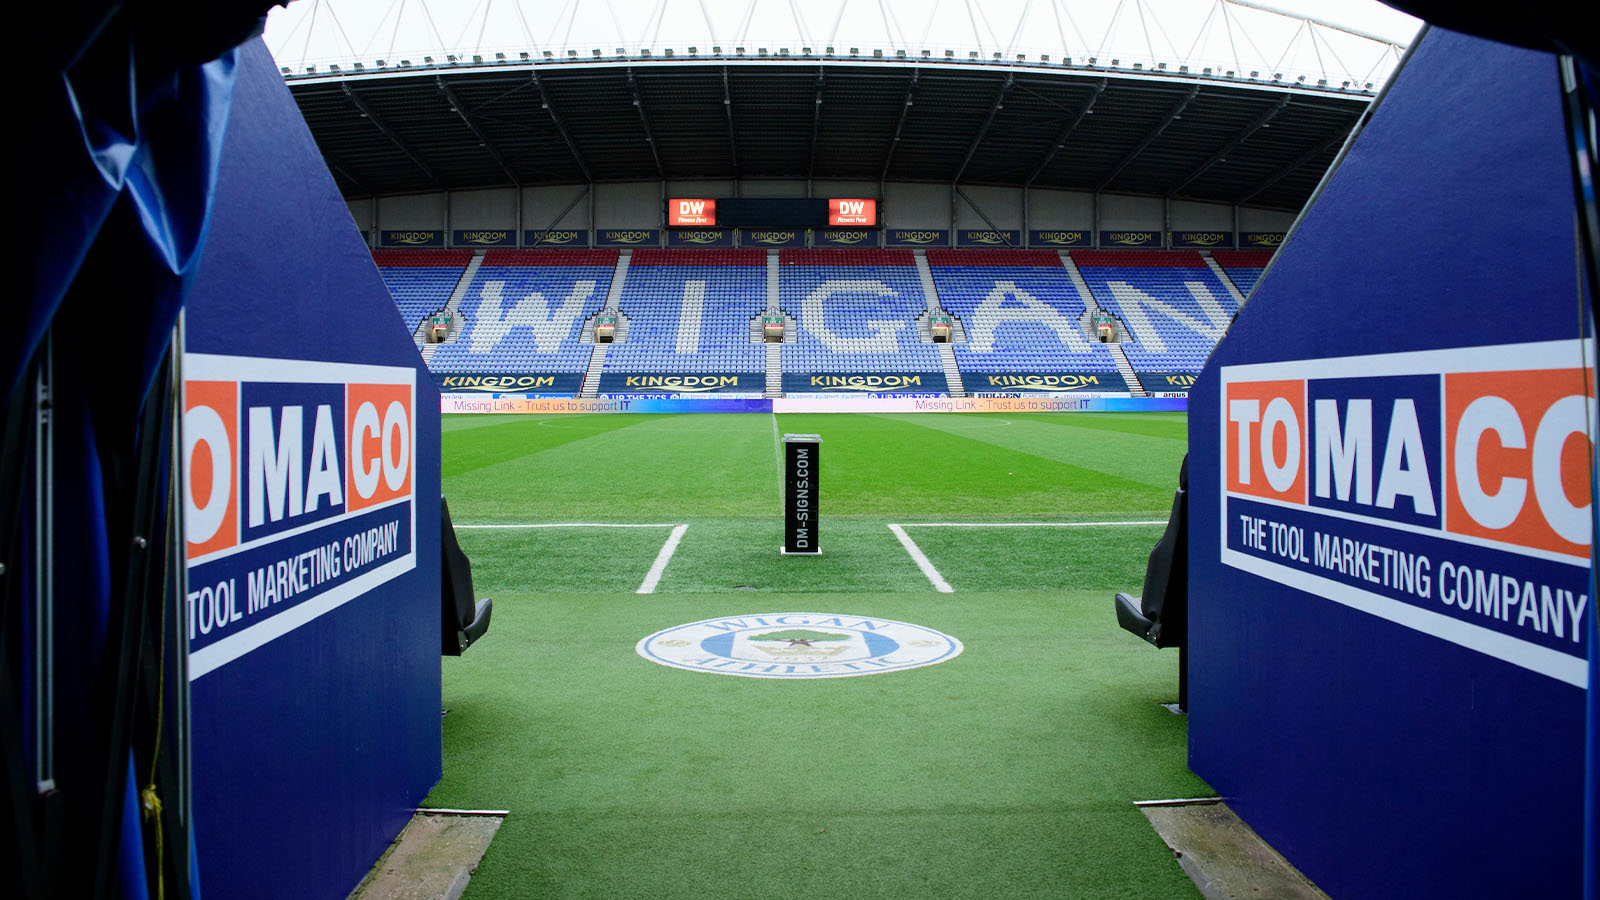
118	144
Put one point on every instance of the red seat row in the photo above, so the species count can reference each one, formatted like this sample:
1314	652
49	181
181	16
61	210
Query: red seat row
420	258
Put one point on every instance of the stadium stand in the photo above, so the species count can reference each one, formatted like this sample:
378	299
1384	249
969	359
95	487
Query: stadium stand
420	281
525	310
1243	267
1020	309
857	311
1171	305
689	312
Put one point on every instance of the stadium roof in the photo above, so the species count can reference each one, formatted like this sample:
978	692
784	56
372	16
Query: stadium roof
996	115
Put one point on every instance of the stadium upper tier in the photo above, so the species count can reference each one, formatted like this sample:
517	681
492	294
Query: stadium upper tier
849	312
1235	105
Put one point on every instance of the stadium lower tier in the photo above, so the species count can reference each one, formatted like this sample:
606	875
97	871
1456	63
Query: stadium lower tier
692	322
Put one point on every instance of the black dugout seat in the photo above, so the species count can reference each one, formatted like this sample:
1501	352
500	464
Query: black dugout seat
465	618
1161	614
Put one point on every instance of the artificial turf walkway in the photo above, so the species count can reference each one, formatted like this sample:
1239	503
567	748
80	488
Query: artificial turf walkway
1008	771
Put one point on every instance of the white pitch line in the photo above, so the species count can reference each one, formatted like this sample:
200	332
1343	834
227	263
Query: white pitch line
653	578
1027	524
576	525
918	557
777	452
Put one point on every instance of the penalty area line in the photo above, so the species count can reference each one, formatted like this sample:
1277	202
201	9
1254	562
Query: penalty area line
653	577
921	559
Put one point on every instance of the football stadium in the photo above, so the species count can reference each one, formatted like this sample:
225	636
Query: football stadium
654	449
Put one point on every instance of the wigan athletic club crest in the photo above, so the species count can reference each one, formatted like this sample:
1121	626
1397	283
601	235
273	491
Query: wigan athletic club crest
798	645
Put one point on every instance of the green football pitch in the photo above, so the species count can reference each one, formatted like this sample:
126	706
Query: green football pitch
1007	771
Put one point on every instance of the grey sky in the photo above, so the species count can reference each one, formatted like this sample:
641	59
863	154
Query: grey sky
1193	32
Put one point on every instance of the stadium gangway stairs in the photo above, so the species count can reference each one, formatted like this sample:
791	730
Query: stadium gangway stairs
451	308
947	352
597	356
1223	277
1118	357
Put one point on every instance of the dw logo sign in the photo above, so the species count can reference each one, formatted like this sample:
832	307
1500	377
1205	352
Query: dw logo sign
297	493
1446	490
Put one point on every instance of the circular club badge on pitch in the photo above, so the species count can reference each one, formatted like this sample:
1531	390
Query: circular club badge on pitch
798	645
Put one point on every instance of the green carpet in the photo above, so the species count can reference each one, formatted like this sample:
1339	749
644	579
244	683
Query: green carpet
1008	771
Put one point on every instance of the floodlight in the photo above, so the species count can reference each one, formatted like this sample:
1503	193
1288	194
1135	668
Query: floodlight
499	57
900	54
1138	65
405	63
360	67
523	56
333	67
549	55
286	70
926	54
949	54
693	51
667	52
572	54
972	54
738	51
877	54
477	59
427	60
1163	66
596	52
451	57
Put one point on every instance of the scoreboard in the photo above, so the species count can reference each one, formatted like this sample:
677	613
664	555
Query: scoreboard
771	212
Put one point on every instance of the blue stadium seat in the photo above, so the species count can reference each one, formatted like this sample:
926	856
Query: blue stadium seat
689	312
856	311
1020	312
525	311
1173	306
